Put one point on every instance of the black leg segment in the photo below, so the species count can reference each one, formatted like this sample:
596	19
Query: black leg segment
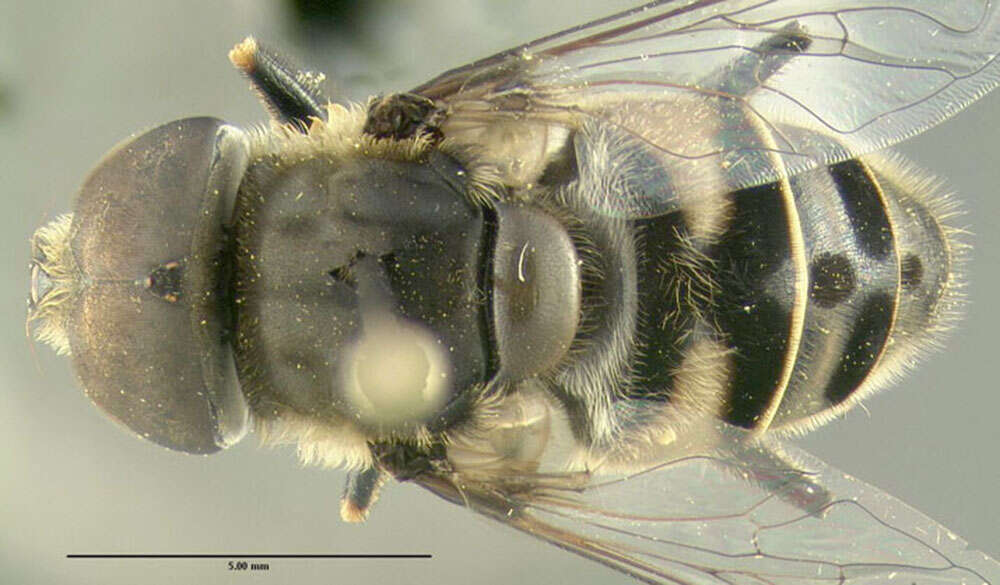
291	95
760	62
361	493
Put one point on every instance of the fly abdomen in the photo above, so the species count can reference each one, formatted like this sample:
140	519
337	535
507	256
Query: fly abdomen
878	279
731	303
853	280
882	283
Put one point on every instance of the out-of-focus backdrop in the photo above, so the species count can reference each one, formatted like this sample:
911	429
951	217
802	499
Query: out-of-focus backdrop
76	77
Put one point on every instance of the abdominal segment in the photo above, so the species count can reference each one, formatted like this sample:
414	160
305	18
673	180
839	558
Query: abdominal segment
880	286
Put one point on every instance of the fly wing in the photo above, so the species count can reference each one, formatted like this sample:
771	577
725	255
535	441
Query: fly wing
726	94
713	518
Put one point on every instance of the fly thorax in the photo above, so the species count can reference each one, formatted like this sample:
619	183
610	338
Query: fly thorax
536	291
360	293
397	372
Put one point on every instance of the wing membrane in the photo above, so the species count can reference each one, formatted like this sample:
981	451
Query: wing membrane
784	85
715	519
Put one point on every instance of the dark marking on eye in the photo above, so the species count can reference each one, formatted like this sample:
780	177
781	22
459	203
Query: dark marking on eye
165	281
831	280
911	271
865	208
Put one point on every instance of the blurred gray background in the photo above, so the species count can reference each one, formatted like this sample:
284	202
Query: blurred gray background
76	77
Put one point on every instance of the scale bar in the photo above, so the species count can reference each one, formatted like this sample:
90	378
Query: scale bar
250	556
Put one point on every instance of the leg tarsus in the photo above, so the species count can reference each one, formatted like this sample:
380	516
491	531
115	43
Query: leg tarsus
775	473
360	493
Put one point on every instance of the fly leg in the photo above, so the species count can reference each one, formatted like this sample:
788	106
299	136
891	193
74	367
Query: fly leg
290	94
760	63
764	466
399	461
361	493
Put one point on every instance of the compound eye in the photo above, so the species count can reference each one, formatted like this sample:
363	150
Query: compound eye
145	322
536	300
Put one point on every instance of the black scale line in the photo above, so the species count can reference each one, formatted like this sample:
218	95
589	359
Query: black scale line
251	556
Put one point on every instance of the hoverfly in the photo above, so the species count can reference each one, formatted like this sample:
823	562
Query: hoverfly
611	267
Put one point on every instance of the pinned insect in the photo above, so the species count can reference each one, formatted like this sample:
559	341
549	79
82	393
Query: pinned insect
583	287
